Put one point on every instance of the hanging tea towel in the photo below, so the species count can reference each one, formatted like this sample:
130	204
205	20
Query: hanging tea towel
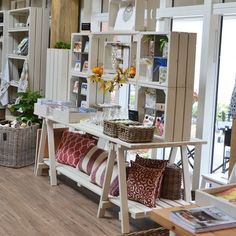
23	81
5	83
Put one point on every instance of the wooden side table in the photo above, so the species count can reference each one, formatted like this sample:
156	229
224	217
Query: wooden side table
162	217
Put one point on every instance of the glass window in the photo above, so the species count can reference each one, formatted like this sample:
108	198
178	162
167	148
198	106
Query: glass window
226	80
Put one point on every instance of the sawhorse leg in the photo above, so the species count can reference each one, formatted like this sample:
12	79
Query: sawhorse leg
104	201
51	149
40	153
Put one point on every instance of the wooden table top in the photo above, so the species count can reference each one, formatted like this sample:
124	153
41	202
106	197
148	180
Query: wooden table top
162	217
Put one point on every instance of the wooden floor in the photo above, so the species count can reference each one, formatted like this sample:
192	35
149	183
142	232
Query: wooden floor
30	206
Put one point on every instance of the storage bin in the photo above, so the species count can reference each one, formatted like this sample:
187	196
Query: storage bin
17	146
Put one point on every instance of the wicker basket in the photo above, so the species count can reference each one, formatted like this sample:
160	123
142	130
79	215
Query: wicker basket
17	146
135	133
171	184
150	232
110	127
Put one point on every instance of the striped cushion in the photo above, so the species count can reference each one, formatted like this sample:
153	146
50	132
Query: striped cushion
97	177
93	158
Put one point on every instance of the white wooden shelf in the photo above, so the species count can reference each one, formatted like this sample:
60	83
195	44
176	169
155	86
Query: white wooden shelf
20	11
18	29
151	84
137	210
1	24
79	74
17	57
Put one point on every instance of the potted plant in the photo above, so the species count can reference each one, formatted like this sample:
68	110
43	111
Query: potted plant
24	106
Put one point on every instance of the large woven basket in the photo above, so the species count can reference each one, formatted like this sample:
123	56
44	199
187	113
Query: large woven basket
17	146
171	183
135	133
110	127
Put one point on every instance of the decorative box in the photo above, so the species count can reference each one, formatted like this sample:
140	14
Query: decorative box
41	110
68	116
205	197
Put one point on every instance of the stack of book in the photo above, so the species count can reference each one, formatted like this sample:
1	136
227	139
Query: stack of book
203	219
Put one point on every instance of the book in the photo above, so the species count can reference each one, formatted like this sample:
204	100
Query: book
86	47
83	89
229	195
203	219
85	67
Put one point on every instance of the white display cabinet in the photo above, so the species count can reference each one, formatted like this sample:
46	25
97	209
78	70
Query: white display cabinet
132	15
167	59
80	86
32	25
152	54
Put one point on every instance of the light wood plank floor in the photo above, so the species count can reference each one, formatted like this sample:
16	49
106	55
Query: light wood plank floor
29	206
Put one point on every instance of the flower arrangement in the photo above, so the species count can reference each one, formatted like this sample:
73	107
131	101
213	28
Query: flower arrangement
108	85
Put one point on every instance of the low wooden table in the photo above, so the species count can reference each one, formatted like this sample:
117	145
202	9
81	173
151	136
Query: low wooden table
162	217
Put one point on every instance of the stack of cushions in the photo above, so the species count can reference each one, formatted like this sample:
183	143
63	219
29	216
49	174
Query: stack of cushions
149	179
80	151
145	180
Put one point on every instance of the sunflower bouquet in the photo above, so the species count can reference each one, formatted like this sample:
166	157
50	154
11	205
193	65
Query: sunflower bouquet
108	85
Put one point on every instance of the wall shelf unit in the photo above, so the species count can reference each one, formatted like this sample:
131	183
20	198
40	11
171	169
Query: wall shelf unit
28	30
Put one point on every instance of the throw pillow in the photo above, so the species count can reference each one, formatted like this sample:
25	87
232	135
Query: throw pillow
142	184
93	158
72	146
97	177
156	164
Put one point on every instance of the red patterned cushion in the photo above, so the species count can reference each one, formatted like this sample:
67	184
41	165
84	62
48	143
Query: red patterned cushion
156	164
142	184
72	146
97	177
93	158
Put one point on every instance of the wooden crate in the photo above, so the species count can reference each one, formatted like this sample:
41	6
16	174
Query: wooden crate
57	74
204	197
41	110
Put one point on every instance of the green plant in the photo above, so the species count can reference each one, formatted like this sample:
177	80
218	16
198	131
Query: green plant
62	45
163	41
148	38
25	106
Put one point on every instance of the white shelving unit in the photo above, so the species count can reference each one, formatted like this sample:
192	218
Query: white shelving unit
172	98
174	91
81	51
31	23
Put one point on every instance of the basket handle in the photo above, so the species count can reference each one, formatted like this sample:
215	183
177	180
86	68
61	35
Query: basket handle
29	123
